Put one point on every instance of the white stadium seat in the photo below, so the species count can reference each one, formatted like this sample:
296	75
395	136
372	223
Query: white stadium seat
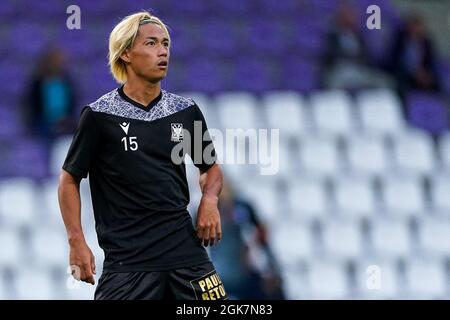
237	110
440	192
391	237
286	111
367	154
380	111
444	150
403	195
426	278
263	194
206	106
4	290
355	196
434	234
49	246
328	279
291	241
10	254
332	112
58	153
413	152
319	156
17	201
34	284
295	284
307	197
342	239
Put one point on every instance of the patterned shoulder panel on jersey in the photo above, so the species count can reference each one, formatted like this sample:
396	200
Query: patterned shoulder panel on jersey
113	103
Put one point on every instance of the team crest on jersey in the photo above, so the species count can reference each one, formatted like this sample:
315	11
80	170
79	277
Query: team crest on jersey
177	132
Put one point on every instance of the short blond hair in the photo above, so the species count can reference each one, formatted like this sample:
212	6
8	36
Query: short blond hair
123	36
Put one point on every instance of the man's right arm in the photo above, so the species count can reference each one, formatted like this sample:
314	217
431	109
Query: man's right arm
82	261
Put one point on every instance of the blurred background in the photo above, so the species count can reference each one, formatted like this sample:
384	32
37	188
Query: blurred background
360	207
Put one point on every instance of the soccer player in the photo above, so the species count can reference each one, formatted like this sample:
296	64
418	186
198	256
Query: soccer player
125	141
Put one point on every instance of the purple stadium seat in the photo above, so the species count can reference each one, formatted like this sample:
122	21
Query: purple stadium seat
299	74
28	151
262	36
205	75
11	124
29	39
220	37
253	75
427	111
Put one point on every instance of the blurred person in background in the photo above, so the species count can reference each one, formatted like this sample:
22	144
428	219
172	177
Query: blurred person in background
414	58
346	63
244	259
51	101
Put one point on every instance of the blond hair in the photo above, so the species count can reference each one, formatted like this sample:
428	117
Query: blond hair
122	37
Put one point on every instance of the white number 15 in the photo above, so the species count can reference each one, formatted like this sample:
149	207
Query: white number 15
132	143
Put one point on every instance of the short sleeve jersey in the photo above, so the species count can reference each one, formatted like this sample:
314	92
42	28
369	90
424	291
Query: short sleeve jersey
138	185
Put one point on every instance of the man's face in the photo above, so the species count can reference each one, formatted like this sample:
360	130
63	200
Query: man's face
149	55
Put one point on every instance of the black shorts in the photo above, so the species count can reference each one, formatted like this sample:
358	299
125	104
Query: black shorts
192	283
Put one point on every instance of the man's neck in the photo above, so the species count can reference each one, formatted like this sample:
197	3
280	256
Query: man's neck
142	92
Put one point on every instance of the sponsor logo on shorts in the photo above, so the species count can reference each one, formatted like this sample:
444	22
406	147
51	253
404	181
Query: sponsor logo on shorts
209	287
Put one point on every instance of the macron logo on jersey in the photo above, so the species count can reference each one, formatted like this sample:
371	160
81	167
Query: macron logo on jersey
125	126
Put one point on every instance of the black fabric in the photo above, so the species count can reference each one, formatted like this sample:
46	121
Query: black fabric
139	196
199	282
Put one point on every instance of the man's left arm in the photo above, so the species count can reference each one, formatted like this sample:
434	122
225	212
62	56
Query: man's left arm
209	229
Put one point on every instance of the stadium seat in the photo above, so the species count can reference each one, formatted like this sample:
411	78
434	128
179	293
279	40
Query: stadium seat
17	201
355	196
49	246
440	192
319	156
332	111
263	194
396	189
342	239
444	150
207	107
286	111
281	162
294	284
34	284
434	236
428	112
367	154
380	111
291	242
12	248
49	199
4	290
80	290
391	238
327	279
58	154
237	110
307	198
369	286
426	278
413	152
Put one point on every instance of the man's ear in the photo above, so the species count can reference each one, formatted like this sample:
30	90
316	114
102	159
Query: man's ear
125	56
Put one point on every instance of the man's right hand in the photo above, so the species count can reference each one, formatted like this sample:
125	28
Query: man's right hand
82	262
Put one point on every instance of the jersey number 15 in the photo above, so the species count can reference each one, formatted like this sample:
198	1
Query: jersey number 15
130	143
